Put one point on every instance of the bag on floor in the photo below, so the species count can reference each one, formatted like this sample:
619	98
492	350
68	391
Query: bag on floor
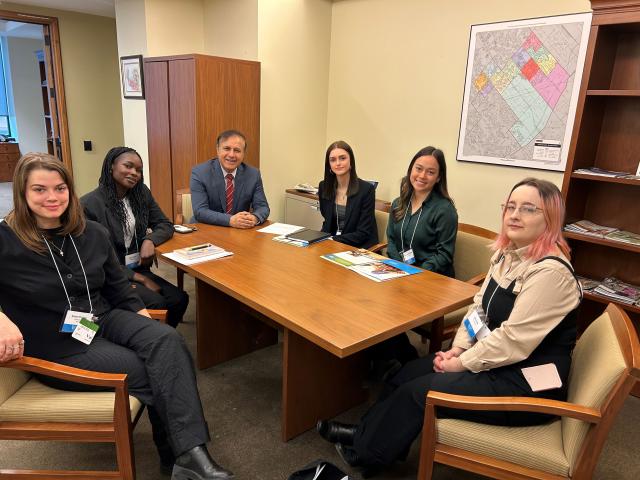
320	470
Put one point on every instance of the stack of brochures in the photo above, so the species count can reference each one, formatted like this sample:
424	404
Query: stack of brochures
601	172
585	227
197	254
371	265
623	292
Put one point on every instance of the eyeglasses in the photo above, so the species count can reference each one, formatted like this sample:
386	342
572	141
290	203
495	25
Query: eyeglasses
523	210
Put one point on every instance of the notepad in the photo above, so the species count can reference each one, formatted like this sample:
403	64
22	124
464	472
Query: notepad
542	377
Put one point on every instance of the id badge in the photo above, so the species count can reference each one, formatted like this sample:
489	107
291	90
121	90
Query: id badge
72	319
85	331
132	260
338	232
408	257
476	328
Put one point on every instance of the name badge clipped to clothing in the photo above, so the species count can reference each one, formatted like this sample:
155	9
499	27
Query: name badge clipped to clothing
85	331
476	325
132	260
72	319
338	232
408	257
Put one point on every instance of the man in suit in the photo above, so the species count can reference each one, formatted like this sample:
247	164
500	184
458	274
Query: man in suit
225	191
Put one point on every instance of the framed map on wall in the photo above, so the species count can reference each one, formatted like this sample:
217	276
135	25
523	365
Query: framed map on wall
521	90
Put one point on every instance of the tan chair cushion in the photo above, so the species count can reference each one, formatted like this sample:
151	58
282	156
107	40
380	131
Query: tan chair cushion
596	366
512	444
35	402
11	380
472	255
382	219
187	209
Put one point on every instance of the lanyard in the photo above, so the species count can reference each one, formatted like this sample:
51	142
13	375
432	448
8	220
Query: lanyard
59	275
414	228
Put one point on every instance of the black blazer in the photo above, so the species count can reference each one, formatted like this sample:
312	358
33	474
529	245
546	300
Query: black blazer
95	207
360	228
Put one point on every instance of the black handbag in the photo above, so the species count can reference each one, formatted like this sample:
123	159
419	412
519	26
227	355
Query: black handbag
320	470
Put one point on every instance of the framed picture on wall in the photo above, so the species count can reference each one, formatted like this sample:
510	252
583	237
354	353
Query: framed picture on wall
132	77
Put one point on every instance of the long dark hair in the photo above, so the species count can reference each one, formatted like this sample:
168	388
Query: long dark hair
21	218
406	189
330	181
135	194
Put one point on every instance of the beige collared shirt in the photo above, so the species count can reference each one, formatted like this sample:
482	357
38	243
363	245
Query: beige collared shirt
546	293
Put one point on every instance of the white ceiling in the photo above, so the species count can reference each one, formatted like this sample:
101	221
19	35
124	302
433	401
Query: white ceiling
105	8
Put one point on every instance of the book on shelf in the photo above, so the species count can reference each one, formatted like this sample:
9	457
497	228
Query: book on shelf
601	172
585	227
587	284
371	265
624	236
197	254
618	290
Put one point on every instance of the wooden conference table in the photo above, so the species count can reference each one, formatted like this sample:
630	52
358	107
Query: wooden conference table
328	314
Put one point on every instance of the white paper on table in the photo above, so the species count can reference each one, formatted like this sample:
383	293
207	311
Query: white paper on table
192	261
280	228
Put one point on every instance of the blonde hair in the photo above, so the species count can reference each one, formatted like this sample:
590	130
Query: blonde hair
22	220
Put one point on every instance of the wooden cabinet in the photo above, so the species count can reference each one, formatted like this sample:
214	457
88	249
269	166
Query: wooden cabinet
190	99
607	135
9	155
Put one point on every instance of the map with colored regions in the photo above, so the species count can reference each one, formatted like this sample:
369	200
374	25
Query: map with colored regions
521	90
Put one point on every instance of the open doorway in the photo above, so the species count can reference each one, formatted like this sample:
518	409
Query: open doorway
32	100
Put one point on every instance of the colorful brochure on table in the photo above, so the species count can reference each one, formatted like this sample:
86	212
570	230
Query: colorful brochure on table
371	265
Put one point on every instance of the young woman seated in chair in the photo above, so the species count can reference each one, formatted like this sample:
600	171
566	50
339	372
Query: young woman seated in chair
347	203
530	299
60	271
125	206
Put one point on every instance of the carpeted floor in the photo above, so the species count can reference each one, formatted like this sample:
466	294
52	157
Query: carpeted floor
242	405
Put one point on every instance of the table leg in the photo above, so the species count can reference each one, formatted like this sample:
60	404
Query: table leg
224	329
316	384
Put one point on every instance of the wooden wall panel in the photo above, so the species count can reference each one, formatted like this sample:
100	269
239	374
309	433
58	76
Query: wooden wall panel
182	113
156	84
229	98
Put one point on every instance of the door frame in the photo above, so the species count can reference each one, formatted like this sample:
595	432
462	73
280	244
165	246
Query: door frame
58	105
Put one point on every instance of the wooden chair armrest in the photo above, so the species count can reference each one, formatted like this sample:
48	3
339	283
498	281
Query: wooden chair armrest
378	247
477	280
160	315
64	372
527	404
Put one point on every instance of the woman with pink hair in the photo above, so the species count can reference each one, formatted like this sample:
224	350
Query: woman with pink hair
523	316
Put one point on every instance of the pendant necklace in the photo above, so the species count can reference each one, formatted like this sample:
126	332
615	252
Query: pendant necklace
58	248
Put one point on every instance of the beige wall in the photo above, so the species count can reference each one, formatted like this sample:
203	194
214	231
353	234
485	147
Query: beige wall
132	40
293	46
27	93
174	28
396	82
92	86
231	28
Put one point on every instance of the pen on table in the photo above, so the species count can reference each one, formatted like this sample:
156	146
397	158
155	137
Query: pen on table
199	247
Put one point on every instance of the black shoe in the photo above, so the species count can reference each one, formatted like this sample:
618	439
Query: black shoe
197	464
348	455
336	432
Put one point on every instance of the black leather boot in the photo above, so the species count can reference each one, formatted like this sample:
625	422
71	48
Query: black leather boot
336	432
197	464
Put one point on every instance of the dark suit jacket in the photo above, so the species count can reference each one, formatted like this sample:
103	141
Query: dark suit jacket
360	228
95	207
208	197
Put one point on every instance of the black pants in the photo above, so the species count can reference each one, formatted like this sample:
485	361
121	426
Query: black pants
170	298
160	373
388	429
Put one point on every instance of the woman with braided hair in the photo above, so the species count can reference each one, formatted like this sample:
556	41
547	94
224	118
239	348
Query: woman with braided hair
124	205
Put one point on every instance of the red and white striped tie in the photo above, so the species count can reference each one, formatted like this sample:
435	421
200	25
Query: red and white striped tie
229	191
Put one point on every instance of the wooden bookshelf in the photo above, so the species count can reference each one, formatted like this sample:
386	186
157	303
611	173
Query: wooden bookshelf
605	135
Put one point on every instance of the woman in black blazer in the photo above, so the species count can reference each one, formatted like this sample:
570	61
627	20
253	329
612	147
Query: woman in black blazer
347	203
125	206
